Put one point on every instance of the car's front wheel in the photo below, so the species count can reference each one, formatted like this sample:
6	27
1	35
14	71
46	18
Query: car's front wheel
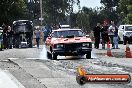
81	80
88	55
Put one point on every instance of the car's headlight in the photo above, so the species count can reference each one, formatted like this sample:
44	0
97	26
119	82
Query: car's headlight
59	46
85	44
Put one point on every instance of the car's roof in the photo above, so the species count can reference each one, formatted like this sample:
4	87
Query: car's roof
126	25
65	26
20	21
65	29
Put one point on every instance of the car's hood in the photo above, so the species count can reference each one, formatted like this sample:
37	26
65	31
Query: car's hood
127	33
70	40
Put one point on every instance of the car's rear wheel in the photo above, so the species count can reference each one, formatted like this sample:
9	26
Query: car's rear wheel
54	56
30	44
88	55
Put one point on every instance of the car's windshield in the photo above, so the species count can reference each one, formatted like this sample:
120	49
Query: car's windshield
68	33
21	28
128	28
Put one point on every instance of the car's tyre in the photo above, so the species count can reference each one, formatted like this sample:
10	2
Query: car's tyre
124	42
88	55
80	80
54	56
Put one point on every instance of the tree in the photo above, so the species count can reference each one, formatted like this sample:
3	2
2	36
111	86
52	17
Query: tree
33	7
110	3
87	19
56	10
11	10
110	10
125	7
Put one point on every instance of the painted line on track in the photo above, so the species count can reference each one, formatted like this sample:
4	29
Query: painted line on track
7	80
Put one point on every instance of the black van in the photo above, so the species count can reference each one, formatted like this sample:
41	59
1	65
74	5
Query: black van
22	34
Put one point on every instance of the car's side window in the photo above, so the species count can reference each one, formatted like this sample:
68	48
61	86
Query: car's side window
81	33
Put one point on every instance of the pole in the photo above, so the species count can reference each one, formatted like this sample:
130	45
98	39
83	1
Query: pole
41	11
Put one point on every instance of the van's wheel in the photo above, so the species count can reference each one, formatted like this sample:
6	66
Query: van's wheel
54	56
88	55
49	55
30	44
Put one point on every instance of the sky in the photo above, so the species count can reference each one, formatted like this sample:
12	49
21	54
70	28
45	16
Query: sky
88	3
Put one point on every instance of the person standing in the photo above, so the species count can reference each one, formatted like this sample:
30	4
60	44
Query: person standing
111	32
96	32
9	38
4	27
115	39
38	36
104	34
46	32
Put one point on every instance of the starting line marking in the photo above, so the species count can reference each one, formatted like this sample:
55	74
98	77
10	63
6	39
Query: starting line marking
29	58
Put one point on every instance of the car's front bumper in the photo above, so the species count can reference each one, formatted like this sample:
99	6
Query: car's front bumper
78	51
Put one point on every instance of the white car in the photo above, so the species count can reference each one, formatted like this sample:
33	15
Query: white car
125	33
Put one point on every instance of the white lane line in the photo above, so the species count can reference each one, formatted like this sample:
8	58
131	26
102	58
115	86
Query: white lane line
29	58
13	58
9	81
37	58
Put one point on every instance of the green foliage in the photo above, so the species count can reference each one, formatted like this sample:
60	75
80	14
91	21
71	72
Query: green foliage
55	10
125	6
110	11
87	19
129	17
11	10
110	3
129	8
